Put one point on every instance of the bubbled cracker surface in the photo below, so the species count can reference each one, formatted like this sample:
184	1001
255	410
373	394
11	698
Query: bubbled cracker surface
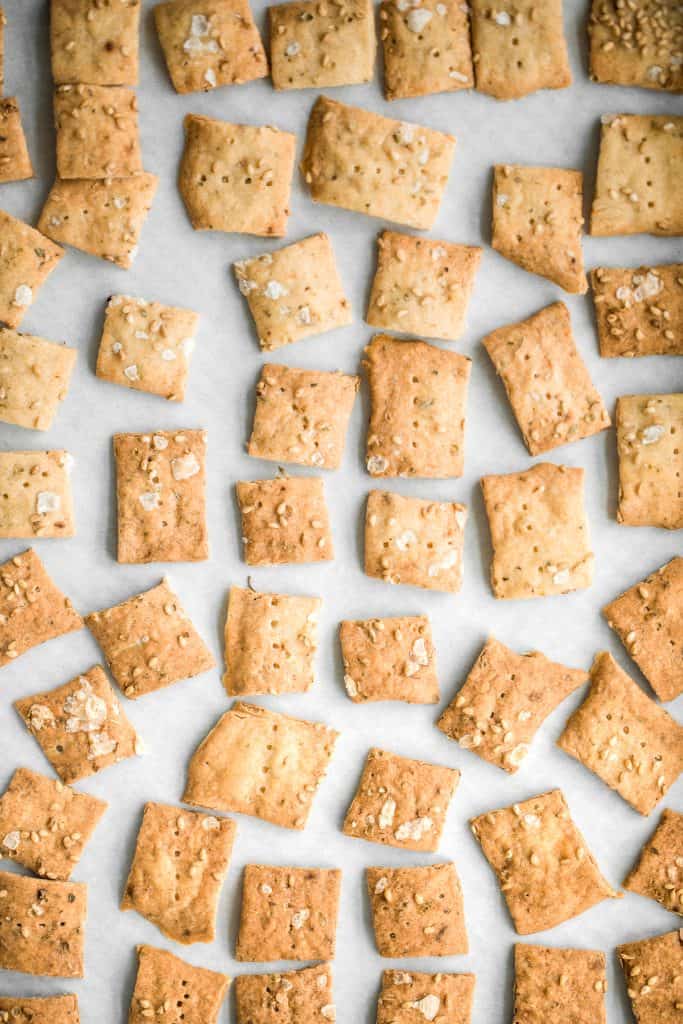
649	431
559	984
389	659
284	520
42	926
417	911
27	257
659	871
319	45
165	983
639	312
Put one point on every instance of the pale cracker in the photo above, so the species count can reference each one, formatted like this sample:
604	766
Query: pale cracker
410	998
316	46
300	997
426	48
656	28
559	984
649	429
417	911
42	926
39	1010
15	162
659	871
26	259
96	43
639	312
652	969
389	659
34	378
284	520
97	132
38	494
164	980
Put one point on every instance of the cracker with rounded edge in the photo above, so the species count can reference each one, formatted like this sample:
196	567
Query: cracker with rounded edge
637	188
262	763
624	737
659	871
427	50
80	726
537	221
547	382
414	541
545	871
316	46
389	659
654	63
38	494
37	1010
45	825
15	162
654	1002
298	997
284	521
401	802
164	980
639	312
417	911
504	702
410	997
42	926
375	165
97	132
270	642
180	862
559	984
236	177
95	43
288	913
649	429
27	257
34	378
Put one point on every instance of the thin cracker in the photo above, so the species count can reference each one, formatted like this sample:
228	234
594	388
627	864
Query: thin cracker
389	659
38	499
15	162
97	132
426	50
317	46
648	444
284	520
27	257
655	62
42	926
34	378
560	984
164	980
659	871
652	969
417	911
639	312
410	997
95	44
300	997
39	1010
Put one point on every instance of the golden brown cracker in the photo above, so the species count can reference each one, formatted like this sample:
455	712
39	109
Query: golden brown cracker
15	162
639	312
648	444
34	378
42	926
552	983
302	997
97	132
389	659
659	871
95	43
655	62
27	257
164	982
37	490
426	48
316	46
652	969
417	911
284	520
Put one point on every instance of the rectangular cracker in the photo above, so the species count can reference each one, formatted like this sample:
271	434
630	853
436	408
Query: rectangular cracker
559	984
37	1010
545	871
228	768
659	871
42	926
288	913
15	162
180	862
417	911
626	739
639	312
302	416
284	520
654	63
34	378
389	659
164	980
95	43
302	997
160	490
375	165
648	444
80	726
637	188
149	641
504	701
427	50
38	489
270	642
317	46
654	1002
45	825
546	380
26	259
404	996
97	132
401	802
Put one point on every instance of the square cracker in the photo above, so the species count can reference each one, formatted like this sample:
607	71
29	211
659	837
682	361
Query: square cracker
294	292
149	642
160	489
407	998
42	926
504	702
630	742
417	911
559	984
34	378
656	28
654	1002
389	659
648	619
414	541
284	520
302	416
26	259
547	383
300	997
270	642
45	825
38	494
418	396
545	872
639	312
288	913
659	871
95	43
180	862
97	132
638	188
15	162
316	46
427	50
401	802
247	744
80	726
537	221
236	177
37	1010
375	165
164	980
649	431
422	286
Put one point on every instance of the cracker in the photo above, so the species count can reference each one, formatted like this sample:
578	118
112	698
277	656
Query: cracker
648	443
95	43
42	926
26	260
149	641
165	981
639	312
545	871
302	416
45	825
627	740
300	997
228	770
414	541
417	911
288	913
46	1010
537	221
37	493
160	490
97	132
389	659
547	383
410	998
295	292
559	984
504	702
80	726
34	378
648	619
659	871
15	162
236	177
180	862
427	50
284	520
637	188
401	802
375	165
652	969
270	642
654	63
219	46
316	46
